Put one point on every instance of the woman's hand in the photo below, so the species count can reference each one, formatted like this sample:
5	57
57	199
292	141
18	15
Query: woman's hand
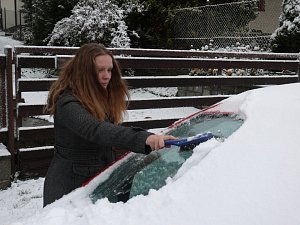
158	141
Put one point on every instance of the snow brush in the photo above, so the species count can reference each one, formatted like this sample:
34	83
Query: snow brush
190	143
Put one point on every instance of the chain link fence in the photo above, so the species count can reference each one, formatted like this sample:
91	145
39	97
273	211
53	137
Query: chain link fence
219	26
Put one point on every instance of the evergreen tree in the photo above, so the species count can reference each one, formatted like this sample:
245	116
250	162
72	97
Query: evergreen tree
99	21
156	23
286	38
41	16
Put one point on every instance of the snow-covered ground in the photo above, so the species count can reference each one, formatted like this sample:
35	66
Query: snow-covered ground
8	41
23	199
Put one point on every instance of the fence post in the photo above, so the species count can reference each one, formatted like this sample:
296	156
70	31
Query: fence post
10	105
3	96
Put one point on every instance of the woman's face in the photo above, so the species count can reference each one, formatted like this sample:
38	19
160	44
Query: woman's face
104	66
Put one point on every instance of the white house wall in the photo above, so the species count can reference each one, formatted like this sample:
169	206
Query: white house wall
9	6
267	21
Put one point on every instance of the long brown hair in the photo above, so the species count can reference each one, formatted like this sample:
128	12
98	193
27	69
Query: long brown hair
79	75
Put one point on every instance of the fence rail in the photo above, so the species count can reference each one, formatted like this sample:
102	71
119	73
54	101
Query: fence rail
50	50
32	146
165	63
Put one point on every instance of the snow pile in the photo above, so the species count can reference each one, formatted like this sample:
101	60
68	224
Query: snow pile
251	178
21	200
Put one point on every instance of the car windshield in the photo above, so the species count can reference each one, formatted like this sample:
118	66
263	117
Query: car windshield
140	173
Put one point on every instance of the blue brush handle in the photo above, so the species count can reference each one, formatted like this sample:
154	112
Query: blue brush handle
194	140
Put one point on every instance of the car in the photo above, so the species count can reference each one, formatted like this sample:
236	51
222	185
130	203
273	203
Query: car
247	173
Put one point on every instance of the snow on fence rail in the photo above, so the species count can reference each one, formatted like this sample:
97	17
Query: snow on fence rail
50	50
39	138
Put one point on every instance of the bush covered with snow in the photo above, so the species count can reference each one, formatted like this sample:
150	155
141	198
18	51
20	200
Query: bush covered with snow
40	17
99	21
286	38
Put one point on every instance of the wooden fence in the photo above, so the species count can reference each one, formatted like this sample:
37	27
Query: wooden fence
32	146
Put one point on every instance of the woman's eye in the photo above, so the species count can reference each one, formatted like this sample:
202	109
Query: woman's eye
102	70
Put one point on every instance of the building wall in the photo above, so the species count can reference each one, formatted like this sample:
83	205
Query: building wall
268	21
9	14
10	4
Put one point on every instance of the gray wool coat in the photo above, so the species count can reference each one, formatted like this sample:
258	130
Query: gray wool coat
83	147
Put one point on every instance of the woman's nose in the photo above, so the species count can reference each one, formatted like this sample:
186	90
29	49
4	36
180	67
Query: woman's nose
106	74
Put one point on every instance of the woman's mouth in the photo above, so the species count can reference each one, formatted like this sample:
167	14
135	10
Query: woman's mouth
104	85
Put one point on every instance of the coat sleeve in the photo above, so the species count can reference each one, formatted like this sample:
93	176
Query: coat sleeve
71	114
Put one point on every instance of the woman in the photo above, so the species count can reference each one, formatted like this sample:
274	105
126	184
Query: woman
88	101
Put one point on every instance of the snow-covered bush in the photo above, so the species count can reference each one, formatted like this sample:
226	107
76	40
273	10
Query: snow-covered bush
100	21
286	37
40	16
